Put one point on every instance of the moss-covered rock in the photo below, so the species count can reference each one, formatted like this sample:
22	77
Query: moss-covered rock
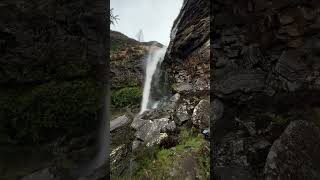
42	113
127	96
188	159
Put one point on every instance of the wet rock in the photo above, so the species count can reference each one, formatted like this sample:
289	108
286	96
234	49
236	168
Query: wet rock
119	122
295	153
173	101
201	114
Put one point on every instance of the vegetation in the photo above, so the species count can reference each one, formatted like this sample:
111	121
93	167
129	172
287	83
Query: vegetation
113	18
127	96
158	162
40	113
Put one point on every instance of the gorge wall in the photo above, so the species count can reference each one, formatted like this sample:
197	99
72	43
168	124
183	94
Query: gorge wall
265	89
53	73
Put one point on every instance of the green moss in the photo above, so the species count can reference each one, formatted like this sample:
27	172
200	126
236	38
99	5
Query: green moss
159	163
127	96
41	113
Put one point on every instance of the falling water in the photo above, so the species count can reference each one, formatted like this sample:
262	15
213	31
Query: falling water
155	58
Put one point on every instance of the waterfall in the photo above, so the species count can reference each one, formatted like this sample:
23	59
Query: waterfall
154	59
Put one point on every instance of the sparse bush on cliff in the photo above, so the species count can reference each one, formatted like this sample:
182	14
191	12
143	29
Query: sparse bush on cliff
126	97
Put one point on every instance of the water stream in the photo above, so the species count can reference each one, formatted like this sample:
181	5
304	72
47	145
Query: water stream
154	60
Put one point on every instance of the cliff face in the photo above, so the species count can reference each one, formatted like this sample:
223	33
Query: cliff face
52	81
187	59
170	139
265	76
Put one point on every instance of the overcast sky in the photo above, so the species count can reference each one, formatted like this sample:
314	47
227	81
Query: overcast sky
154	17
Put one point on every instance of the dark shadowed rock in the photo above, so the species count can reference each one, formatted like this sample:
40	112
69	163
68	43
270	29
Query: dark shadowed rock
217	109
295	155
42	174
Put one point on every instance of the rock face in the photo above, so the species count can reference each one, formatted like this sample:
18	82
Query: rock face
265	74
52	79
185	73
295	154
126	60
187	59
152	126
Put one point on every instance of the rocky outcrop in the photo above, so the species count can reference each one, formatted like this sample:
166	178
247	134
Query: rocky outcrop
294	155
265	74
52	82
187	59
184	73
126	60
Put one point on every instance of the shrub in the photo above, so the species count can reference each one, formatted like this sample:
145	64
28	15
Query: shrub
127	96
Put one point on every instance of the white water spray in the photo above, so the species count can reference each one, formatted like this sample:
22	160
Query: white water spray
154	59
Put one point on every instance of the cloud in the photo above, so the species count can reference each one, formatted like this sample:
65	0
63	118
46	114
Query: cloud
154	17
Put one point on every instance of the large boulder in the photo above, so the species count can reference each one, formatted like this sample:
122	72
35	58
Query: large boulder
153	132
119	122
295	155
201	114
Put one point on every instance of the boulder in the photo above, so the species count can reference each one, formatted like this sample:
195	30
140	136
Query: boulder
153	132
201	114
119	122
295	155
182	113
